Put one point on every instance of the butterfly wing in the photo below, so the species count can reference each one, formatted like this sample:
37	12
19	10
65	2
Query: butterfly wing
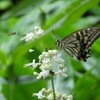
71	45
79	43
93	37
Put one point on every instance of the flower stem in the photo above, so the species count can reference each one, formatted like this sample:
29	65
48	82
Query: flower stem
52	80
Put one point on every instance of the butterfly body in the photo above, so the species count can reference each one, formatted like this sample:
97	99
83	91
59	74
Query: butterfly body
79	43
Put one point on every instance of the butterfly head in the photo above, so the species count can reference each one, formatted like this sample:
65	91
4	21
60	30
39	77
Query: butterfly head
59	44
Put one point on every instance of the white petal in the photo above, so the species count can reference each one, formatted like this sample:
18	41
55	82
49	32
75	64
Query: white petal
31	50
44	73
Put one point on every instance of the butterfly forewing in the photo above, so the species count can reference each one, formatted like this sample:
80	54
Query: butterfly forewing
79	43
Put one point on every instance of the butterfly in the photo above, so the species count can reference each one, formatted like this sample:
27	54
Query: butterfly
79	43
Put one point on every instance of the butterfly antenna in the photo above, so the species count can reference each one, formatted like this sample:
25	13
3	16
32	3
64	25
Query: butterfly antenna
55	35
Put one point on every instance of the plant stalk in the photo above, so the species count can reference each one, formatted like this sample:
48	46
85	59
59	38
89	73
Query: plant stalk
52	80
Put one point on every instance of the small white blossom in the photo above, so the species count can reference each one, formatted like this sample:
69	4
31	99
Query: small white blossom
70	97
47	62
61	66
46	67
39	95
28	36
35	73
62	72
37	33
58	95
44	74
50	52
36	28
31	50
33	64
40	57
27	65
49	91
55	52
48	95
58	58
43	90
64	97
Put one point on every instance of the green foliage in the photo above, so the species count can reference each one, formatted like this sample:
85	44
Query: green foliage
64	16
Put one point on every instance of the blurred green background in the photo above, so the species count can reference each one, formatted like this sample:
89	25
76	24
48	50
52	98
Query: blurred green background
65	17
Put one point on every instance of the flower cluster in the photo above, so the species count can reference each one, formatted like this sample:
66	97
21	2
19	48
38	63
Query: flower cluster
37	33
47	63
50	64
48	94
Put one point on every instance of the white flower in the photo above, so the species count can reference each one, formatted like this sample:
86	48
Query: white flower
39	95
45	54
44	91
48	95
44	74
31	50
61	72
61	66
38	30
35	73
58	95
58	58
40	57
49	91
64	97
33	64
37	33
70	97
54	52
47	62
28	36
46	67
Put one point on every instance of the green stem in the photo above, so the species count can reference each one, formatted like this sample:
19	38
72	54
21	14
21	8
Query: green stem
11	81
52	80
